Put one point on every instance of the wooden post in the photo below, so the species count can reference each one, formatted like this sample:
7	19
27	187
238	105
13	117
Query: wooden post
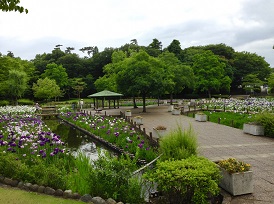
144	130
219	120
150	135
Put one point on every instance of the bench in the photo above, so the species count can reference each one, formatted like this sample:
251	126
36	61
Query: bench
98	110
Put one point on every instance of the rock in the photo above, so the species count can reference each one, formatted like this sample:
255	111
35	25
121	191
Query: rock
49	191
76	196
98	200
120	202
26	186
20	184
86	198
67	194
10	182
34	187
2	178
41	189
110	201
59	192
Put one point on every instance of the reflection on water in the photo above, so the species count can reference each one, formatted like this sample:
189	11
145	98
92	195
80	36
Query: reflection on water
75	139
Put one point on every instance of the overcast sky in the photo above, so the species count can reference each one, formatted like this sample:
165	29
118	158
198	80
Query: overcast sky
245	25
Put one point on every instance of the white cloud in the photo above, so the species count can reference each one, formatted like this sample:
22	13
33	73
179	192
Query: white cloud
246	25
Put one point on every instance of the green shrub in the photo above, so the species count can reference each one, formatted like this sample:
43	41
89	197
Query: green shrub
192	180
4	103
111	177
179	144
25	102
11	167
267	120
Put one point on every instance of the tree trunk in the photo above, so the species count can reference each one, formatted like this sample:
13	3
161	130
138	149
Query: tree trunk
134	102
144	102
171	98
209	93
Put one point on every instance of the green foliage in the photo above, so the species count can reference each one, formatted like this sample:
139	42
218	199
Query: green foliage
38	171
78	178
16	84
140	74
192	180
12	5
11	167
56	72
46	89
251	83
25	102
226	118
209	73
267	120
112	177
270	81
4	103
178	144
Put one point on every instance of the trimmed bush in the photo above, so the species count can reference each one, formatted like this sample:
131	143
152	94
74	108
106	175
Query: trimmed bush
192	180
267	120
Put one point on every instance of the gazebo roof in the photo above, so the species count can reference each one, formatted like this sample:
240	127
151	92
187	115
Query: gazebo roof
104	93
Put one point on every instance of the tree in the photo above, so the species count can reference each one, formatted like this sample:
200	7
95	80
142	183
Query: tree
271	82
245	63
177	75
16	84
78	85
155	48
58	73
46	89
209	73
108	81
175	47
141	74
12	5
251	83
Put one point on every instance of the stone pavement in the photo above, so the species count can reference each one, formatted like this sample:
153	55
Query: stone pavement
220	142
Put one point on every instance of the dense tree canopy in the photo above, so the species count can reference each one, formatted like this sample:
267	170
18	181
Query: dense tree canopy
141	75
46	89
141	71
209	73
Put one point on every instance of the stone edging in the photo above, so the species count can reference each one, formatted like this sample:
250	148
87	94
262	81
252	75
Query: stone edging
67	194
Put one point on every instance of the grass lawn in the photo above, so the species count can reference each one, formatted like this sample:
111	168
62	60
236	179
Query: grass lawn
16	196
229	118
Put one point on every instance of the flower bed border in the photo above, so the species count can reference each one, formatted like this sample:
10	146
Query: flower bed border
109	145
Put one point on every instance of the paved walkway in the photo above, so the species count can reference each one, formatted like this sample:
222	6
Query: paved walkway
220	142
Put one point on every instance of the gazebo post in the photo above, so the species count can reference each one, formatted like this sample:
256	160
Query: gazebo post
94	106
108	103
118	102
114	103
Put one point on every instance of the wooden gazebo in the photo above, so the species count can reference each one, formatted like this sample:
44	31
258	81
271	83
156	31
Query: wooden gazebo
106	95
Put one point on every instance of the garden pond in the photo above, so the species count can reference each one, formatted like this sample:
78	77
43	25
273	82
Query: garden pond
75	139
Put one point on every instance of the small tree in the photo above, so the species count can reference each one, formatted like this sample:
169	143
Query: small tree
78	85
46	89
16	84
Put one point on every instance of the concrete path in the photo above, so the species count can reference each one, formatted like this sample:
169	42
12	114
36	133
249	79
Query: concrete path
220	142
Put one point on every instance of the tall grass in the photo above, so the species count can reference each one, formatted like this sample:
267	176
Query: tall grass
78	178
179	144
